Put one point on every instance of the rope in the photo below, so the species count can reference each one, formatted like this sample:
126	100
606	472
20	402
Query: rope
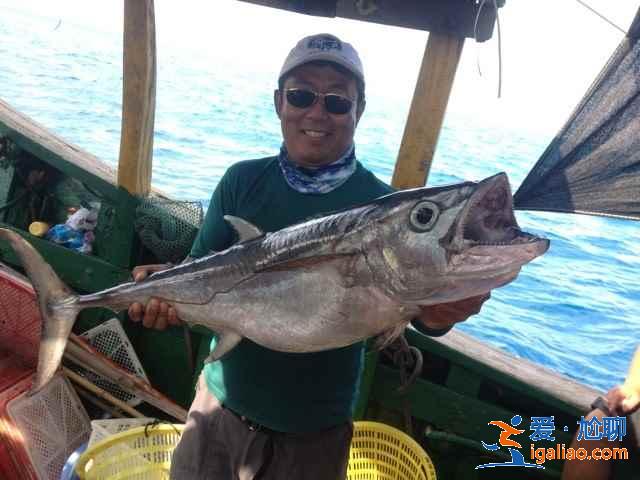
588	7
495	5
475	35
157	422
409	361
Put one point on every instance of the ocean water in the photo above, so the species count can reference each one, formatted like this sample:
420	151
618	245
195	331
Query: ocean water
576	310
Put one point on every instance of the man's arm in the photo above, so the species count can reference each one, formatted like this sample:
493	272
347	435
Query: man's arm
617	402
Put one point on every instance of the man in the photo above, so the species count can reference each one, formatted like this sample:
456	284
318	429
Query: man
272	415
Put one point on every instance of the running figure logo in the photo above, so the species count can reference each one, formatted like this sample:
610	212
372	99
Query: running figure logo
517	459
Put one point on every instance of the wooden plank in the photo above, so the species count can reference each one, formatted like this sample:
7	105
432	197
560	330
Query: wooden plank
438	405
519	374
118	242
49	147
463	380
428	107
81	272
138	97
452	412
65	156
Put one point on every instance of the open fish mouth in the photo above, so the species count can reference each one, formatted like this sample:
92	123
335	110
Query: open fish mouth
488	218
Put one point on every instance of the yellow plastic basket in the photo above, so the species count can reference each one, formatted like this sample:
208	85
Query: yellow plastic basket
138	453
378	452
381	452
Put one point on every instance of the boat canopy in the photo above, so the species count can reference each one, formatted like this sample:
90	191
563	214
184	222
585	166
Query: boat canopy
459	18
593	164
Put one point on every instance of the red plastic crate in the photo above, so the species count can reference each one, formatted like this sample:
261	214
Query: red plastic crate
12	370
14	459
20	321
19	339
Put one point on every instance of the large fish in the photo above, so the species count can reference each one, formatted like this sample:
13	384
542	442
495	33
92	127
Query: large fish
321	284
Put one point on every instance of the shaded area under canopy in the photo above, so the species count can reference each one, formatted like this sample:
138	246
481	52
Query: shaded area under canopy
593	164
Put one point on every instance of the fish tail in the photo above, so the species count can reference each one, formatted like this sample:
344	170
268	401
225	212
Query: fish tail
57	303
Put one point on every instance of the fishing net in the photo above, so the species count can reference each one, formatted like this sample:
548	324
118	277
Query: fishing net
593	164
168	227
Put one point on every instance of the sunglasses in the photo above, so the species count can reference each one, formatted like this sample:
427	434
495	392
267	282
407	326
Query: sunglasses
333	103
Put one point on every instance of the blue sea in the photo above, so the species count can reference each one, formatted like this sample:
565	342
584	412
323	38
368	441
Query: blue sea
576	310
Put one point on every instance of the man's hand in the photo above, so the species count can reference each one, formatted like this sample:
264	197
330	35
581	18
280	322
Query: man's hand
155	314
445	315
622	402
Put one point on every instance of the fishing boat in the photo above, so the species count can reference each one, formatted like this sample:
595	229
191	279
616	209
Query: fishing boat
462	384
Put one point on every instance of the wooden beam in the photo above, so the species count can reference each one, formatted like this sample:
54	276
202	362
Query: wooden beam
83	354
138	97
462	18
428	107
103	394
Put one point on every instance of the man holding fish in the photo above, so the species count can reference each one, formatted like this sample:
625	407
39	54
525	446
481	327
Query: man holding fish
291	307
260	413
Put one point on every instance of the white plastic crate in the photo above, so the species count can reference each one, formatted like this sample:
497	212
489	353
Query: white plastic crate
101	429
110	339
53	424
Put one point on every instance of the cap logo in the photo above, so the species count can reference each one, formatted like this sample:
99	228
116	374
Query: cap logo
325	43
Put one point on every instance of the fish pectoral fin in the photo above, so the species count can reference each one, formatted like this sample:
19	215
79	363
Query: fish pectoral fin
226	341
307	262
245	230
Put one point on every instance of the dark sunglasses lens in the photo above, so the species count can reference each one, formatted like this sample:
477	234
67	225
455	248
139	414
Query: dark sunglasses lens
337	104
301	98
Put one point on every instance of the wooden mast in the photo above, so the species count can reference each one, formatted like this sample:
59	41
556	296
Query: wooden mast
428	107
138	97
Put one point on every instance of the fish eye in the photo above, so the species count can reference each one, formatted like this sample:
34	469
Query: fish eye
423	216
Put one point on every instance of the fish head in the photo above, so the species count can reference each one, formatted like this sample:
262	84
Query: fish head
453	242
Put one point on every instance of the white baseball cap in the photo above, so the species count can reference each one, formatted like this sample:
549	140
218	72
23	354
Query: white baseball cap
323	47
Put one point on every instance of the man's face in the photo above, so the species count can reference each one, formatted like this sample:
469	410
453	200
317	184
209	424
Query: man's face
312	135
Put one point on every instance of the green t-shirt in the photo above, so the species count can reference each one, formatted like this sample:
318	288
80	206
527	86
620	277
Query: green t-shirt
288	392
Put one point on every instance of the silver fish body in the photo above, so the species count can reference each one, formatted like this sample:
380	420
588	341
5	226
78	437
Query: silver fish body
324	283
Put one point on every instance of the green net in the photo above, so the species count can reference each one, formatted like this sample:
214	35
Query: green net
168	227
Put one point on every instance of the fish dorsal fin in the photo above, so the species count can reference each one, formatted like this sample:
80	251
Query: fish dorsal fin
246	230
